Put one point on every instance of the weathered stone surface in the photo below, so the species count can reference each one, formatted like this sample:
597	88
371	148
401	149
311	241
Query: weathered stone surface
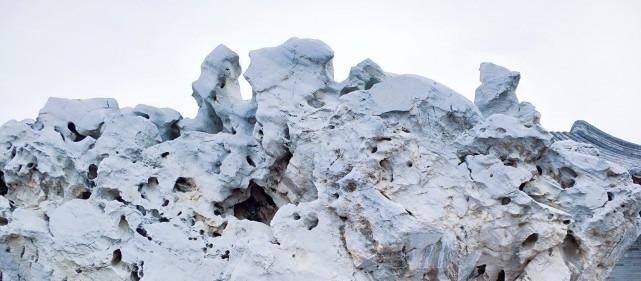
379	177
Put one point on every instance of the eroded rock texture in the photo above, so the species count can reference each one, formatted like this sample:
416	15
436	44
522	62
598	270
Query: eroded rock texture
379	177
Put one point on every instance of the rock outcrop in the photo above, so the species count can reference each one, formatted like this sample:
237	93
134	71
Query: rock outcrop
379	177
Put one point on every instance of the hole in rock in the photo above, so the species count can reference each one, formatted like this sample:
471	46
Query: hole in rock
77	136
141	231
505	200
522	186
164	154
570	248
250	161
184	184
410	164
3	221
92	172
610	196
636	180
143	115
566	177
500	130
567	183
539	170
371	82
311	222
116	257
296	216
4	189
350	187
347	90
165	202
141	209
501	276
81	192
530	241
134	273
174	131
258	207
480	269
85	195
374	149
567	222
510	162
31	165
314	102
225	256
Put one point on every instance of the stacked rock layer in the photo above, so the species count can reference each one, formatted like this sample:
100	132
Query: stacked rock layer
379	177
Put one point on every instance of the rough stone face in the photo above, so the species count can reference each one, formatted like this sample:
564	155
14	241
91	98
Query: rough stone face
379	177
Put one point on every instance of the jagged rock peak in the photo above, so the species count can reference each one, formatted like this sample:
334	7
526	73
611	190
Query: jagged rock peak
378	177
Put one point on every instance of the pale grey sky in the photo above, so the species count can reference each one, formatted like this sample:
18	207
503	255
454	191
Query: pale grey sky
578	59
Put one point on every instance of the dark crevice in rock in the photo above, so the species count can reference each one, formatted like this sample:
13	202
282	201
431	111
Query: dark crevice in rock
530	241
258	207
174	131
4	189
77	136
184	185
116	257
501	276
311	221
92	172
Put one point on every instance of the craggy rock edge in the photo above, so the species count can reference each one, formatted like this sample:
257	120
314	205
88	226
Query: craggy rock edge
379	177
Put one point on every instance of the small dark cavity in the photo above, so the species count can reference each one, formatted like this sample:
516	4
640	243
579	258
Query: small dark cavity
505	200
143	115
141	231
77	136
164	154
225	256
92	172
85	195
530	241
116	257
258	207
371	82
567	222
174	131
350	187
374	149
184	184
250	161
311	222
165	202
409	164
539	170
3	221
501	276
480	269
610	196
296	216
4	189
522	186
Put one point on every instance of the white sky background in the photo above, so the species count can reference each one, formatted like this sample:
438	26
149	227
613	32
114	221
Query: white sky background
578	59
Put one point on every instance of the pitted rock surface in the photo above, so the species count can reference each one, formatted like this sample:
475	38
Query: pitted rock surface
378	177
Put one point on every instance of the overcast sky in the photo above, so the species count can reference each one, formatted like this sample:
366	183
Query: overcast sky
578	59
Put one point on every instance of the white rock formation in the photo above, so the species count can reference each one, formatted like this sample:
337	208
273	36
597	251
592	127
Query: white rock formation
379	177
